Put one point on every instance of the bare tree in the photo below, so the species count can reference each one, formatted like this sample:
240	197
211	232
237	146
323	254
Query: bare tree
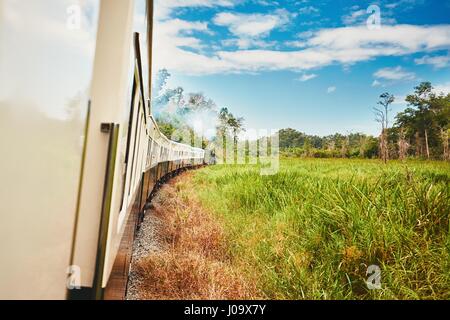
382	117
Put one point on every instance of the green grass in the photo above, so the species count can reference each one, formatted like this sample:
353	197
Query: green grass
311	231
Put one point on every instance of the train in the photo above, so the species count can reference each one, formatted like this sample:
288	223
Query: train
82	153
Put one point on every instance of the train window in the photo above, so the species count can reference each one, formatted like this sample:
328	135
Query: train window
132	113
128	143
142	158
135	150
137	165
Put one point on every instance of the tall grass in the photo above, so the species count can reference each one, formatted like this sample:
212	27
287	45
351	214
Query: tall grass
312	230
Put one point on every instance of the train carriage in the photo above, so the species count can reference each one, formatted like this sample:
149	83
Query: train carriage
81	109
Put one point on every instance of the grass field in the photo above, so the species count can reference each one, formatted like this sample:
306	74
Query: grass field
312	230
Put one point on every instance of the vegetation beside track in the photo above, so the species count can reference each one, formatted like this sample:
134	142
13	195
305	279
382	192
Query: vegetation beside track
188	257
311	231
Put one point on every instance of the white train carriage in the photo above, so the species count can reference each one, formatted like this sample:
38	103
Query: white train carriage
81	151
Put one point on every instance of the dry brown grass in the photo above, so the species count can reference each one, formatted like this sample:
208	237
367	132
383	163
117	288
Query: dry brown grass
194	262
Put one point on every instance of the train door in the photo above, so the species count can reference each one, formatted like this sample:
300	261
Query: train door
45	81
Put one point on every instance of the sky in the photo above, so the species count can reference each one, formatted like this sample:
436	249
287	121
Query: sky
315	66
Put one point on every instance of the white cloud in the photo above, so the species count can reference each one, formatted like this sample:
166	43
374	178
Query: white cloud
309	10
267	3
252	25
306	77
346	45
164	8
174	35
250	28
296	44
357	16
245	43
174	29
436	61
442	88
170	53
331	90
396	73
305	34
408	4
400	100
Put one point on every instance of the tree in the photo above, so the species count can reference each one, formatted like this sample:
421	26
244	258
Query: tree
440	110
407	123
426	121
236	125
385	102
224	116
345	147
422	121
291	138
229	124
160	81
177	111
363	142
222	129
159	96
382	117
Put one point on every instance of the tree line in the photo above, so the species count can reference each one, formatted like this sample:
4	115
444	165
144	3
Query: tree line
421	131
354	145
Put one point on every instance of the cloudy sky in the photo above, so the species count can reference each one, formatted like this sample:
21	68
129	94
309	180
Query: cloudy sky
311	65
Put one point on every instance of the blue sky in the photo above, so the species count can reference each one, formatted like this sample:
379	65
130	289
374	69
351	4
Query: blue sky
310	65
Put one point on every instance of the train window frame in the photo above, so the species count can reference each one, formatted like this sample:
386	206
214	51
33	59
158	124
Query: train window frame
141	155
134	96
135	150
